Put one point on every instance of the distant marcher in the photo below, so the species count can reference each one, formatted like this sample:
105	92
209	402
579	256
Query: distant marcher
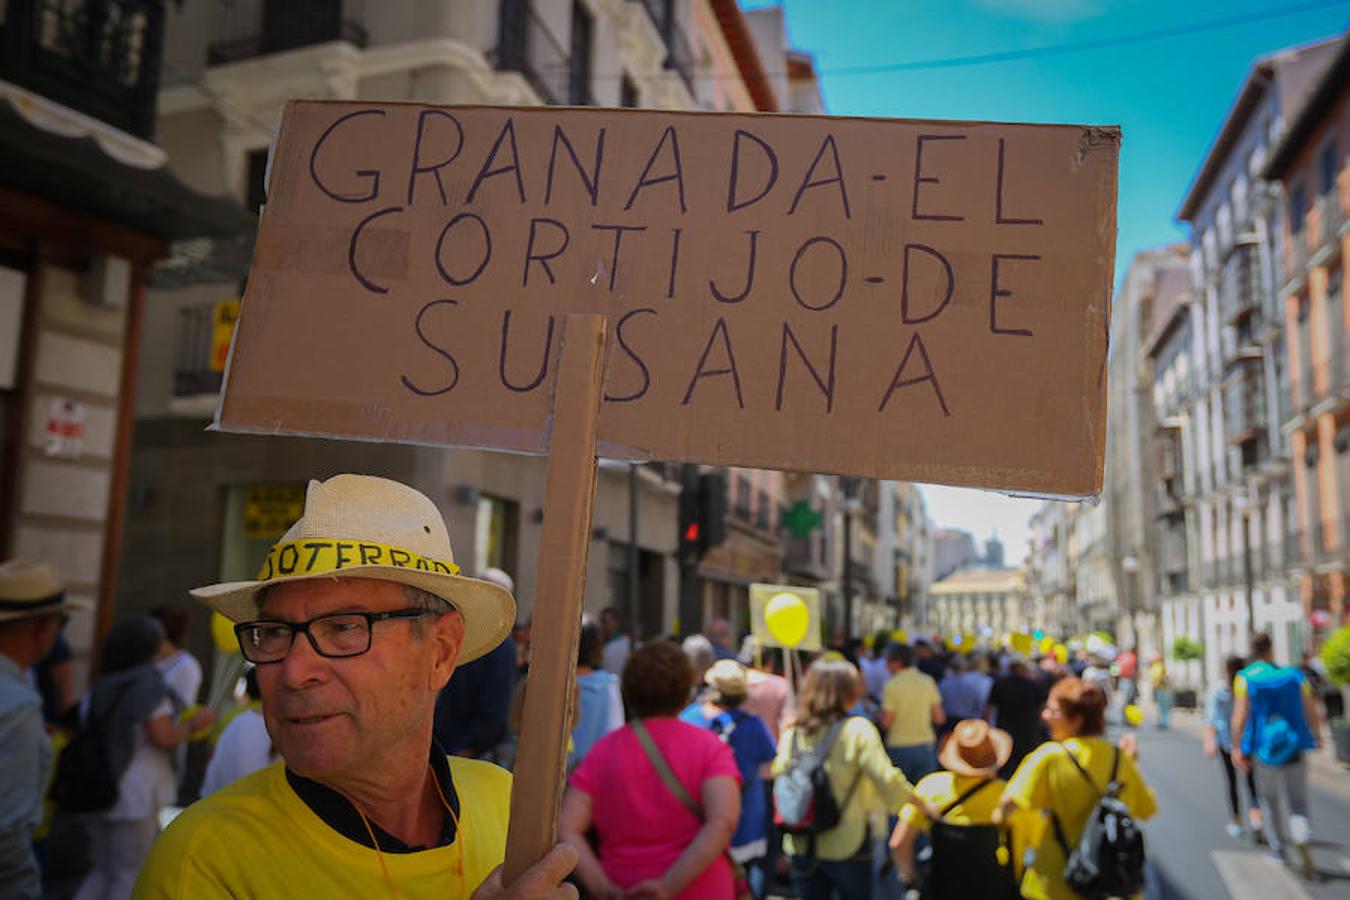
599	705
472	708
911	708
32	606
701	655
1098	674
723	639
181	671
54	676
137	716
929	661
1219	742
722	711
963	692
770	696
873	667
520	636
618	645
861	777
1127	671
1015	703
1275	722
965	796
244	745
1065	777
650	844
1161	683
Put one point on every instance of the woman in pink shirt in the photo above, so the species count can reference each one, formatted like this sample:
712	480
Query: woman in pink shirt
650	845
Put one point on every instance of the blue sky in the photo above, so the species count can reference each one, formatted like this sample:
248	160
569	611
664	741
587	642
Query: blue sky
1169	95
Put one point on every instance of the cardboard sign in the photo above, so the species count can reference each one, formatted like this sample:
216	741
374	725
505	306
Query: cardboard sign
777	287
762	594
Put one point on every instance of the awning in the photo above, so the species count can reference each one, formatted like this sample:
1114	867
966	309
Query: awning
77	172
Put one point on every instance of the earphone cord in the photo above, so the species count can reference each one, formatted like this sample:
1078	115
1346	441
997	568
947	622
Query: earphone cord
459	837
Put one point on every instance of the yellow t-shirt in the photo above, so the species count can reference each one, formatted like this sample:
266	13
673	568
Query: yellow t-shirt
1047	781
941	788
909	697
857	761
257	838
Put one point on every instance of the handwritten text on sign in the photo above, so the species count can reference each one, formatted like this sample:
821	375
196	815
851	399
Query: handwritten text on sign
893	298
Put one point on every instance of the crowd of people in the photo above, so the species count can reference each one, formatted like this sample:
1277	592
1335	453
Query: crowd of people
696	768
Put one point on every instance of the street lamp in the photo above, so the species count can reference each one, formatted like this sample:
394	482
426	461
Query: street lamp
1243	504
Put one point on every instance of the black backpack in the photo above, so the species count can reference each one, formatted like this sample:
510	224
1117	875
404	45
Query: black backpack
84	781
1109	858
965	860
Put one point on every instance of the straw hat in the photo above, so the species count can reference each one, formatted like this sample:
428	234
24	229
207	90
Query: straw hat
360	526
728	677
30	589
975	749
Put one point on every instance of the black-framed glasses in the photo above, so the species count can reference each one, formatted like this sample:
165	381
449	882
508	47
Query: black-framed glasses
335	636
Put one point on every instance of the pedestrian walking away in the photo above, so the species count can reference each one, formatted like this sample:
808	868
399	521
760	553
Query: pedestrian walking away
33	605
860	778
1275	722
1065	778
351	651
651	844
1161	683
599	706
1218	742
971	855
723	712
1015	703
911	710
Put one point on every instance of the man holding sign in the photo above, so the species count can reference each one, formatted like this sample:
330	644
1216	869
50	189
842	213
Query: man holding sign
356	621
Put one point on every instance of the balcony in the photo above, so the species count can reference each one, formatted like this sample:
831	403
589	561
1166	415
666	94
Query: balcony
1244	402
1296	260
679	52
245	29
1240	284
525	44
100	57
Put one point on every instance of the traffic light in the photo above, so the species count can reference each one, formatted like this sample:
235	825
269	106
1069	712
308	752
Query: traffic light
703	507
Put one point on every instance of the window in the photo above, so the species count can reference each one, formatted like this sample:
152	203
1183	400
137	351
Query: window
1326	168
762	511
743	494
628	93
579	63
1298	207
496	532
255	191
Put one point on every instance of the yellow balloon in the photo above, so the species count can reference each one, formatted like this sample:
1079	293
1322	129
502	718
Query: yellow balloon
1134	715
1021	643
1047	645
1061	654
900	636
787	619
222	632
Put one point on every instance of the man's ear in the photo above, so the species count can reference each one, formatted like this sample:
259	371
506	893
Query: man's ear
447	639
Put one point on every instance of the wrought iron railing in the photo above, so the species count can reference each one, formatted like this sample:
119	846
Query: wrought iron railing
100	57
244	29
526	44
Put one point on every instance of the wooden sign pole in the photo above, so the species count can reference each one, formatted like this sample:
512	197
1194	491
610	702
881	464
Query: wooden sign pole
569	496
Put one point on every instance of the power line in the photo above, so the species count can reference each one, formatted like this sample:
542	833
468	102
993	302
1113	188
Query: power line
1156	34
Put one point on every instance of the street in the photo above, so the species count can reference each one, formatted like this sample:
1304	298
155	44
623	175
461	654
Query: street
1191	856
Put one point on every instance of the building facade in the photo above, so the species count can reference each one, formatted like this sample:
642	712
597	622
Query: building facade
986	603
1310	163
90	208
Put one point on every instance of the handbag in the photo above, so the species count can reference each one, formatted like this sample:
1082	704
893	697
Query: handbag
740	879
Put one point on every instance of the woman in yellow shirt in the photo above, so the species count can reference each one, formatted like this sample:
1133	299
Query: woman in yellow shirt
1047	781
861	777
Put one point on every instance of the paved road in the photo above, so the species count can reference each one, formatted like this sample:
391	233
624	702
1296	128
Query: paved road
1193	858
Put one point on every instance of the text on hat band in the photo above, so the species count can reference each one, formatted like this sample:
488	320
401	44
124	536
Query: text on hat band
291	559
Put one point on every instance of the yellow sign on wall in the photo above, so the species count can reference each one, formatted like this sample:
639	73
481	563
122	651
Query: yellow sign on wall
269	509
224	316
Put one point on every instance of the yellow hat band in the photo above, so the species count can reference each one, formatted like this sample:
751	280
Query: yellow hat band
320	556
